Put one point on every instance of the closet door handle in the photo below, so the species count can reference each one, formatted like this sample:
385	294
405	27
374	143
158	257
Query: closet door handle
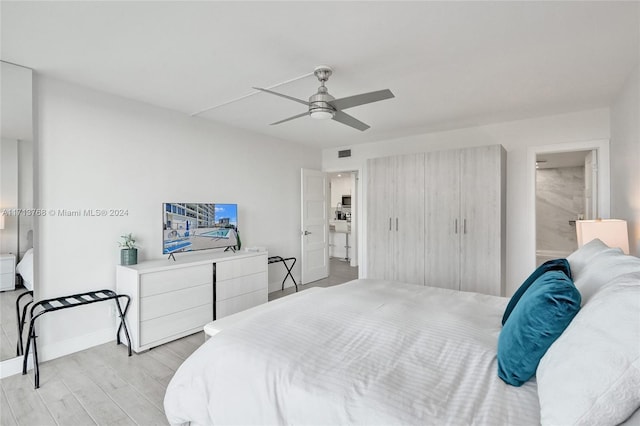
465	226
456	226
396	223
389	224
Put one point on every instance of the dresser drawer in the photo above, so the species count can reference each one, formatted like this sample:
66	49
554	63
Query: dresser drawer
240	303
175	301
175	279
241	285
168	325
240	267
7	281
7	265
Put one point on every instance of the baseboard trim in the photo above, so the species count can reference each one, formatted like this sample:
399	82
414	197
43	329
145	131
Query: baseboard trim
13	366
55	350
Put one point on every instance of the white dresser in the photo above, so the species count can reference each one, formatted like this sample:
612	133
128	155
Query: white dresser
7	272
172	299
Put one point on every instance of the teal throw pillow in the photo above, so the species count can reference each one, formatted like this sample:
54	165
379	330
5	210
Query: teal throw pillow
545	309
549	265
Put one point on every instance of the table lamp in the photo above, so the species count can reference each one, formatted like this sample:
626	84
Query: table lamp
612	232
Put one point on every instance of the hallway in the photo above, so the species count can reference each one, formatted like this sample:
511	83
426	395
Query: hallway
340	272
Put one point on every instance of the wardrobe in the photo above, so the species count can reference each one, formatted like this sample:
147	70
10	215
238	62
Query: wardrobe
395	218
438	219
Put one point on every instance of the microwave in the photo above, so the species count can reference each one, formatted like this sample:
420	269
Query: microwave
346	201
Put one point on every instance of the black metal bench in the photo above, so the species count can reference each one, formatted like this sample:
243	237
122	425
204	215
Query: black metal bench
289	267
50	305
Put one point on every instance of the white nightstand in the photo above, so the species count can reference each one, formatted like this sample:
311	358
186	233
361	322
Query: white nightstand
7	272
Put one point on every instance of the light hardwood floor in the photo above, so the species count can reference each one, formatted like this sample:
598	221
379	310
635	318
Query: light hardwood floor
103	386
9	322
100	385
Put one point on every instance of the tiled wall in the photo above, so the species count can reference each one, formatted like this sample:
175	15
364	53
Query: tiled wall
559	199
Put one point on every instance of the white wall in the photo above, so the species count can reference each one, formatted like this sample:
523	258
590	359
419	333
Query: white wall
516	137
340	186
98	151
625	158
16	112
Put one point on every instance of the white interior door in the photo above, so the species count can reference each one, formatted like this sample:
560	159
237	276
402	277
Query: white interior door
315	225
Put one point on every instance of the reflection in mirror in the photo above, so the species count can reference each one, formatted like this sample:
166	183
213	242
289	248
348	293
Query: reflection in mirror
16	200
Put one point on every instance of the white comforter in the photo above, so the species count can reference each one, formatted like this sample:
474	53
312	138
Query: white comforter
365	352
25	269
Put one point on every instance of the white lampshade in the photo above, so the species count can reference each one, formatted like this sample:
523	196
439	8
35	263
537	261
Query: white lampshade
612	232
1	221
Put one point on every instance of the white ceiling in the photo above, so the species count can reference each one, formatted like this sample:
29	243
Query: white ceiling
450	64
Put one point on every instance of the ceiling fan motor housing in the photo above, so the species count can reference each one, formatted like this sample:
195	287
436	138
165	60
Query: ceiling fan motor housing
319	106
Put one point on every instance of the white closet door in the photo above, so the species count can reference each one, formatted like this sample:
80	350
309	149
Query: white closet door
408	221
380	199
442	222
482	217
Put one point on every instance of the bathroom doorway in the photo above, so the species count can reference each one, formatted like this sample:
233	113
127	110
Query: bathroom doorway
595	198
564	193
343	226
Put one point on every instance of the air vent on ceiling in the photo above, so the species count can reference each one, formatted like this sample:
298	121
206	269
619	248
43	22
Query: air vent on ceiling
344	153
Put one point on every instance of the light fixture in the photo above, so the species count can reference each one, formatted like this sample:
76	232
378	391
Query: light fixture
612	232
319	106
322	113
1	221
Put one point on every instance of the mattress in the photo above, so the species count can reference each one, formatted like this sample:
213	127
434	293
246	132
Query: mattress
364	352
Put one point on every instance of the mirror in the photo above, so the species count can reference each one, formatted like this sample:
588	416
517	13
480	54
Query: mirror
16	199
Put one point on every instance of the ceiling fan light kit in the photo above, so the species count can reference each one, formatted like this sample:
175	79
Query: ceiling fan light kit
323	106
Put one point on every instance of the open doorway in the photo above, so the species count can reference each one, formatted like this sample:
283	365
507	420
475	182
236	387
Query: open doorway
569	182
343	226
564	193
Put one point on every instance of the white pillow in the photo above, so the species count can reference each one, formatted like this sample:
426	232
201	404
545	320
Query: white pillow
581	257
591	374
601	269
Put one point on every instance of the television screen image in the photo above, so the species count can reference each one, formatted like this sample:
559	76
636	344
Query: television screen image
199	226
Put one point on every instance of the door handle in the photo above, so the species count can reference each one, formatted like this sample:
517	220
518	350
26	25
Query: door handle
456	226
307	233
389	224
464	226
396	223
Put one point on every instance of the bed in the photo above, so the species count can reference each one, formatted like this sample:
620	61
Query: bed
381	352
25	269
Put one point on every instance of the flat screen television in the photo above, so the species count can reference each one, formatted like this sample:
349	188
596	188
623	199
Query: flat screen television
198	226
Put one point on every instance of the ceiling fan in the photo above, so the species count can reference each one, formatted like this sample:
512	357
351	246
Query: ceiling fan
323	106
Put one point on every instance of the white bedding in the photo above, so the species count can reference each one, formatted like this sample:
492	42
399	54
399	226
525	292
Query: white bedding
365	352
25	269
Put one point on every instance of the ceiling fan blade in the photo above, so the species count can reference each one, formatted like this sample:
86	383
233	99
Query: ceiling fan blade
364	98
291	118
283	96
344	118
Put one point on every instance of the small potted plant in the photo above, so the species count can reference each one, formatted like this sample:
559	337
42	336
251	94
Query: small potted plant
129	252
